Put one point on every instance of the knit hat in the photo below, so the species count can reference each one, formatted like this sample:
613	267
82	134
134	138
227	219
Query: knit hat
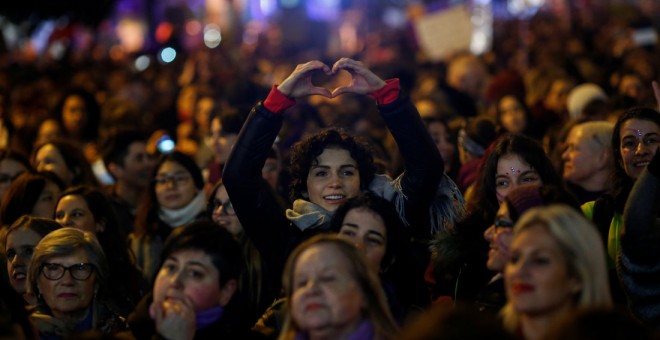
523	198
581	96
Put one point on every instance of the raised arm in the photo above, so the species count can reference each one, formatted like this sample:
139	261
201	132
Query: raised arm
257	208
424	166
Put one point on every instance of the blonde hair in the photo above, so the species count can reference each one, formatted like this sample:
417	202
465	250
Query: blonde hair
377	310
583	250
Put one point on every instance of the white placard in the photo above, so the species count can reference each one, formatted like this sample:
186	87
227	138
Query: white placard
442	33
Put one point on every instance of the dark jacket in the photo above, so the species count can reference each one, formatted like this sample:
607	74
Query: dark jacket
638	264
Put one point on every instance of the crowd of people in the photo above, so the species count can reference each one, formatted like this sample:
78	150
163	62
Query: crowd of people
513	194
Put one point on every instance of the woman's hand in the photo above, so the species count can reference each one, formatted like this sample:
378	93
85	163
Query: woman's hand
299	83
175	319
364	81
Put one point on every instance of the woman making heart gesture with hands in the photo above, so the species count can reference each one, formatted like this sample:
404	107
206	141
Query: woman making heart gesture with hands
332	166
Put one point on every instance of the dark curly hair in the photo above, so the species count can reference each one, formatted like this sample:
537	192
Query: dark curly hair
306	152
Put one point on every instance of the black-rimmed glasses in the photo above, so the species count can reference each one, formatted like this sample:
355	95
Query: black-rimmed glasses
55	271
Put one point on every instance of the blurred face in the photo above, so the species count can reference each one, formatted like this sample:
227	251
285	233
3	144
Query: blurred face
48	131
48	158
204	108
220	142
582	159
19	250
512	115
326	298
175	187
639	142
47	200
74	115
224	214
442	141
631	86
9	170
536	277
73	211
499	237
190	278
512	172
367	230
138	166
558	95
67	296
333	178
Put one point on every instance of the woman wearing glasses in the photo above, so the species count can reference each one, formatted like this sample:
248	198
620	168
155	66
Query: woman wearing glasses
173	199
67	274
89	209
500	234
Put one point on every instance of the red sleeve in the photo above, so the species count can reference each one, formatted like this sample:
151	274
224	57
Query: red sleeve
388	93
277	102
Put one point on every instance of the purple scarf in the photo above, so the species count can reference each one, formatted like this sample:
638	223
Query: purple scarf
209	316
365	331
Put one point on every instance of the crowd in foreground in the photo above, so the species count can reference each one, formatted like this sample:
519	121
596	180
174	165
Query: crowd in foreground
488	202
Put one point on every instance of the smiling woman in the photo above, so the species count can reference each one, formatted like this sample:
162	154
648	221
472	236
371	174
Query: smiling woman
18	244
332	166
173	199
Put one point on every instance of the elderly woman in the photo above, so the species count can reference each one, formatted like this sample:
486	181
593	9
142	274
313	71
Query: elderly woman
89	209
68	275
194	295
18	245
332	294
557	264
588	160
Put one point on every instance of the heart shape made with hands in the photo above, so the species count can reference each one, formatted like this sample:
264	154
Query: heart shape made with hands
340	79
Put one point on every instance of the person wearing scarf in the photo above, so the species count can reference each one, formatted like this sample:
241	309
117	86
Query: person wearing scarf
174	199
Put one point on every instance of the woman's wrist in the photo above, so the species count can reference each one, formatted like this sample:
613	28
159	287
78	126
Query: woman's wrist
277	102
388	93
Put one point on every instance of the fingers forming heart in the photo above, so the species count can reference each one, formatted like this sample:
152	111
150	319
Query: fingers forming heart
341	77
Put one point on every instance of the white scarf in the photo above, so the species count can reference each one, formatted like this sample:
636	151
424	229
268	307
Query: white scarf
178	217
306	214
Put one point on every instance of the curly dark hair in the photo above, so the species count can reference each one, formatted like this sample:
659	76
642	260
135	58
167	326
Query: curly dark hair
306	152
